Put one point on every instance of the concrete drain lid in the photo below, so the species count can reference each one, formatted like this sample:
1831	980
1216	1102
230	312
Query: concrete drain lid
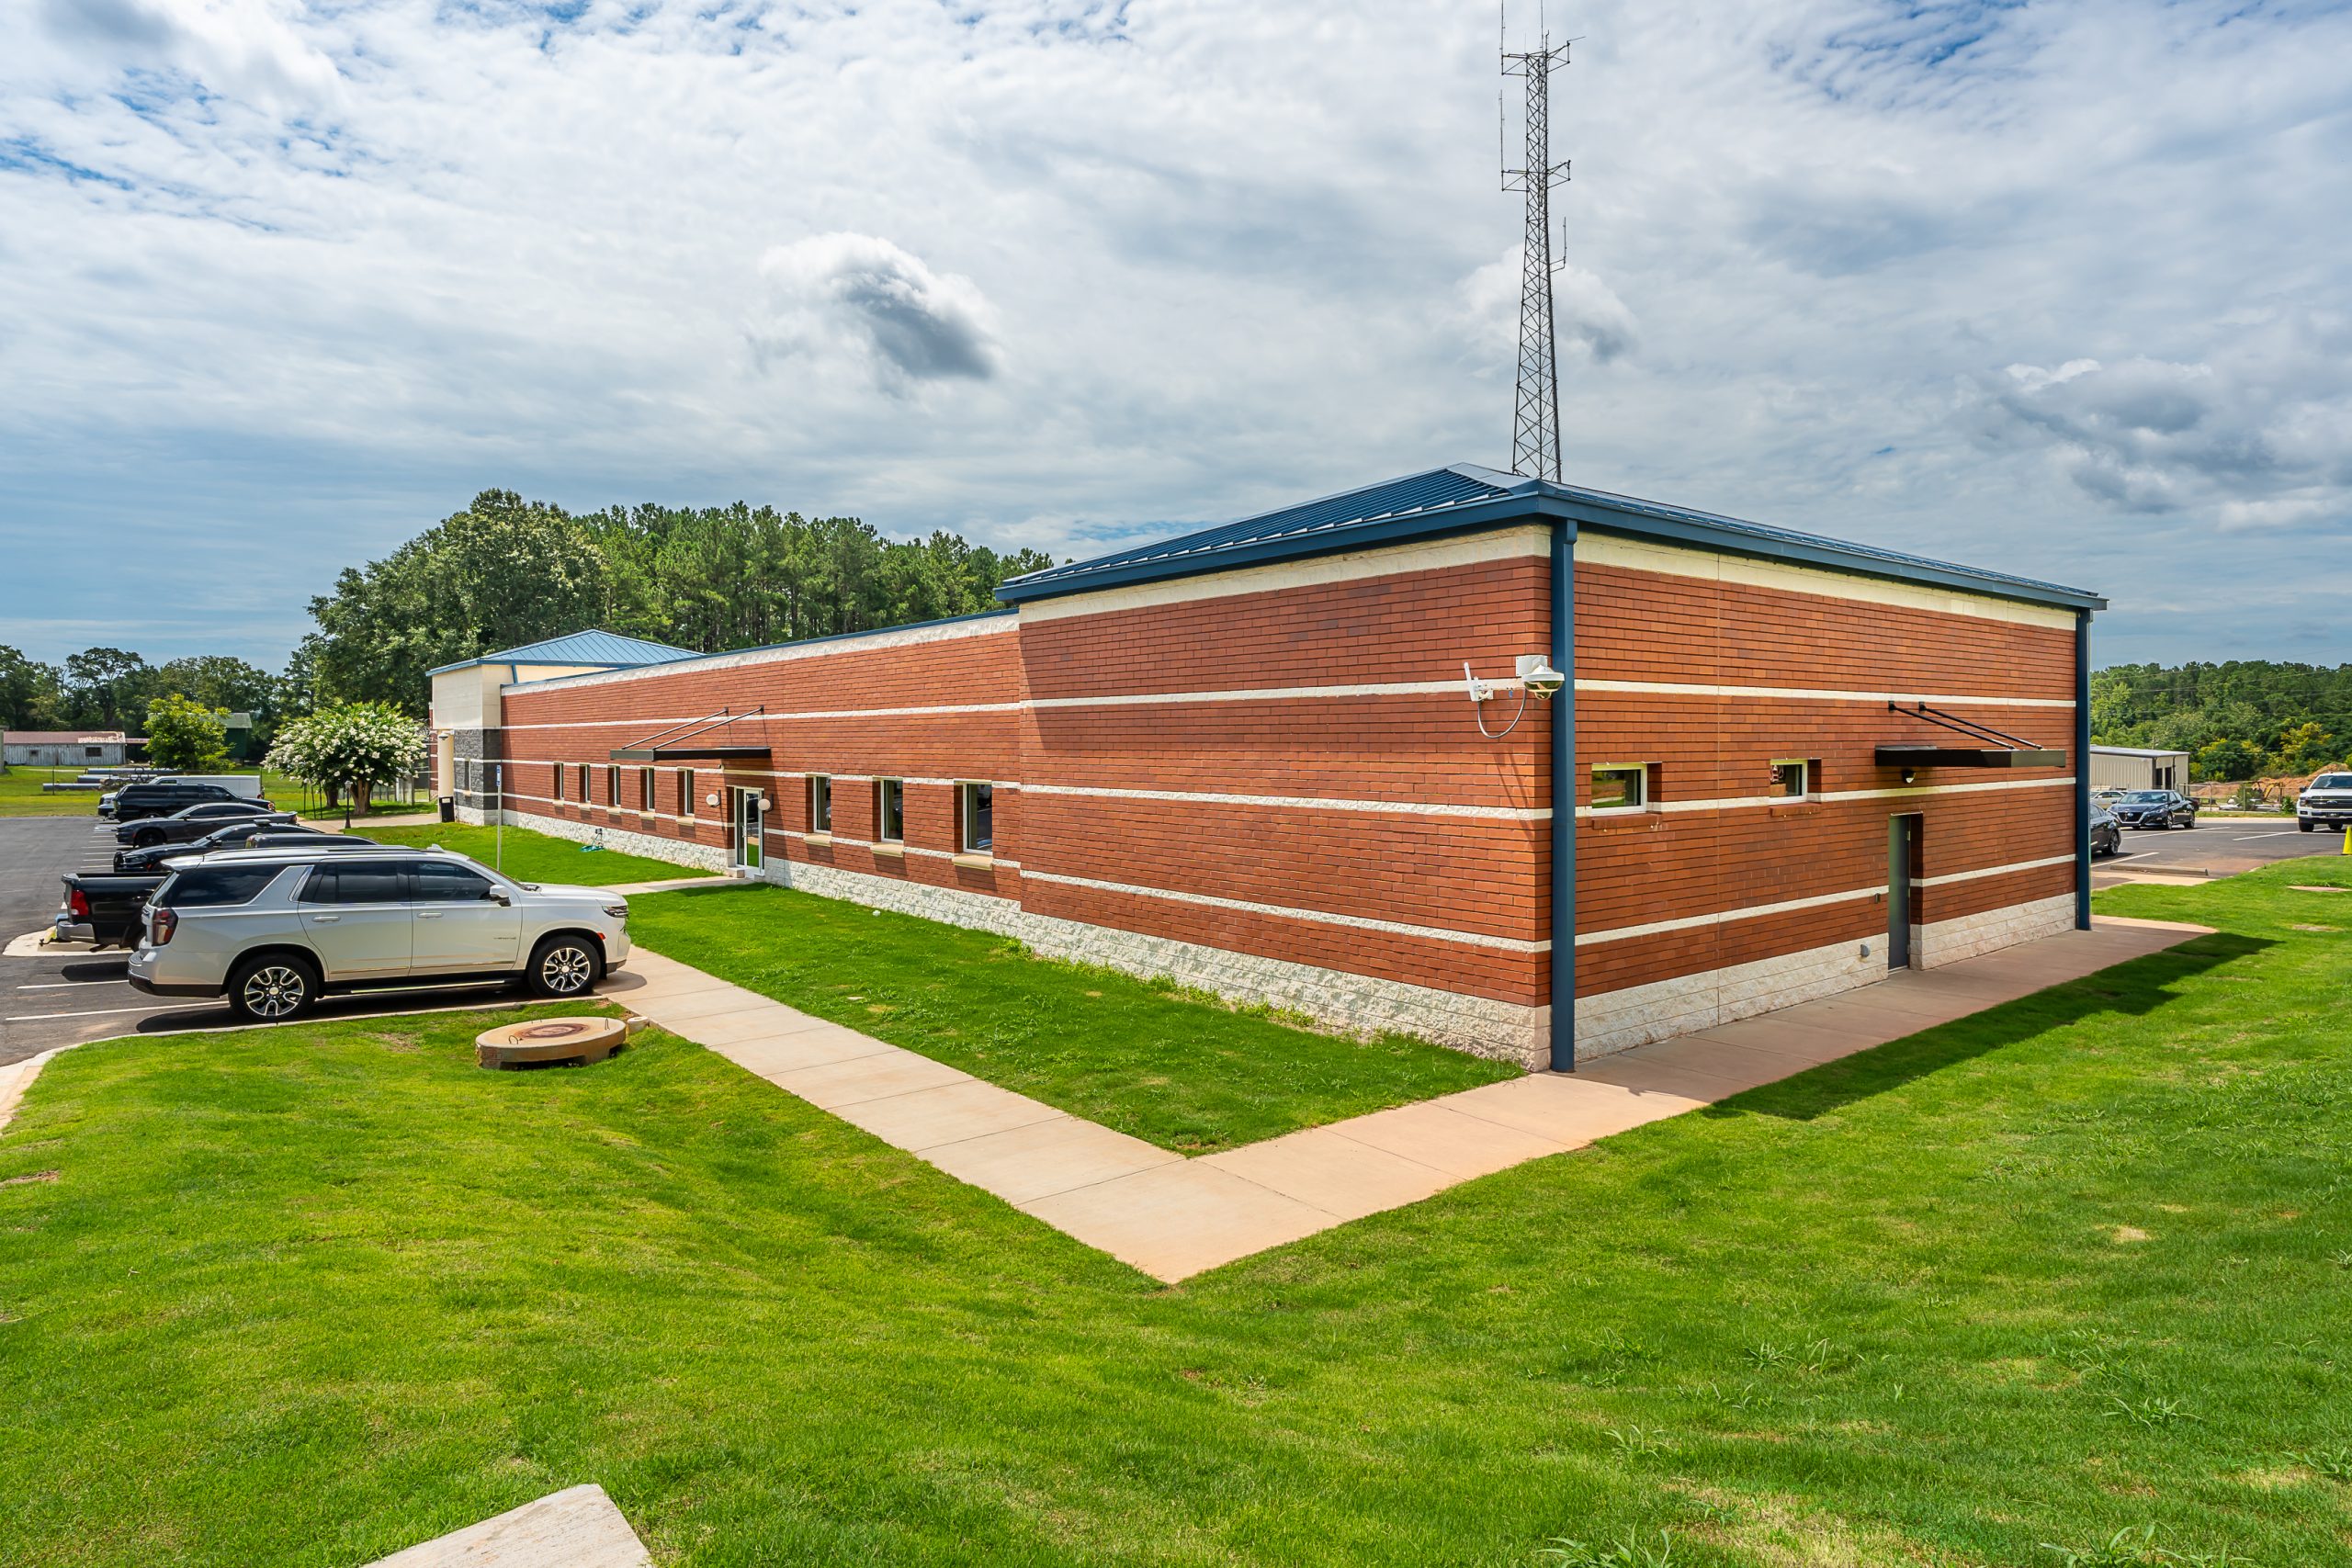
550	1041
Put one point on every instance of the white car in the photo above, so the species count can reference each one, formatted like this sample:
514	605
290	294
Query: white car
275	930
2326	803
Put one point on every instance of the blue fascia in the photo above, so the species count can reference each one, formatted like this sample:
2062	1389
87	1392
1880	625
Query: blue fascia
1541	503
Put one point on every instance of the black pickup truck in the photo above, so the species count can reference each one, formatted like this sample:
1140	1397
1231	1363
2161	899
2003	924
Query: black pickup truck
107	910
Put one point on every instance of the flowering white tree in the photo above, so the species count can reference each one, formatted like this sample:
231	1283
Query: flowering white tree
356	746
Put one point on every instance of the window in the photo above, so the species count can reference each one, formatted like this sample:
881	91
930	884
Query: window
1792	780
613	786
1620	787
353	884
94	752
645	789
686	793
213	886
437	882
585	795
889	811
820	803
976	811
558	771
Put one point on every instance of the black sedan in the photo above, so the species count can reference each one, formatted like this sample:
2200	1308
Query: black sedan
193	822
236	835
2154	808
2106	834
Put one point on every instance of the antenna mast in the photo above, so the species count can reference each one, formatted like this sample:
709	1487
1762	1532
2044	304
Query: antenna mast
1535	417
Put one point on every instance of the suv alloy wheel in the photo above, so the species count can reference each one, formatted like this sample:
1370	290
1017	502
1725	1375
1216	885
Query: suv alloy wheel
272	988
564	967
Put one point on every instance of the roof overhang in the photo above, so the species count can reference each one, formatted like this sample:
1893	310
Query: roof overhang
1969	756
690	751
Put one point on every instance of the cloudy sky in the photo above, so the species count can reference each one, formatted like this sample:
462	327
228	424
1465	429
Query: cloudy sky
2055	288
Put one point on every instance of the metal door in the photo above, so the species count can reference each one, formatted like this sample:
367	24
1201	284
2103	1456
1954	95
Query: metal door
750	825
1901	870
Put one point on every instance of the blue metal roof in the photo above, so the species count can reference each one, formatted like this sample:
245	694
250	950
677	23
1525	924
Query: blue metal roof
610	649
1464	498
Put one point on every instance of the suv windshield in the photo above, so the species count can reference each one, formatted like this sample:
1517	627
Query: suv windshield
2333	781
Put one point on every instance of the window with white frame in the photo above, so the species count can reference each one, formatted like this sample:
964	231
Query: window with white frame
645	789
890	811
558	772
685	792
1793	779
1621	786
586	793
820	803
976	817
613	785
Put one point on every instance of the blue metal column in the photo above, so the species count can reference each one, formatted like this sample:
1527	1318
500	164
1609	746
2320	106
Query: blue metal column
2082	770
1563	799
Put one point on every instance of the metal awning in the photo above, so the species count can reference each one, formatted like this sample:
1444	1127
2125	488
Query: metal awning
697	741
2008	751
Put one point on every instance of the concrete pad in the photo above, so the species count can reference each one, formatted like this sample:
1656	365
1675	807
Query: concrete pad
949	1114
1462	1147
775	1057
1562	1107
770	1022
577	1528
873	1077
1046	1158
1799	1043
698	1004
1342	1177
1173	1220
1631	1069
1726	1060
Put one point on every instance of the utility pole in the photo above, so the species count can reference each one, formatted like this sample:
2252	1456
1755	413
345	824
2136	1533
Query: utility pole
1535	415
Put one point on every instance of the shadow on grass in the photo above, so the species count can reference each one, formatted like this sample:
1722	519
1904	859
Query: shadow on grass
2135	988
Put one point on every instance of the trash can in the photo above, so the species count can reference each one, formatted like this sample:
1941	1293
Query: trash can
448	808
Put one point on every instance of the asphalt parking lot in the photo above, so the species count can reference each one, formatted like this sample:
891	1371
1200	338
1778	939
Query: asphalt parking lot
65	999
2215	846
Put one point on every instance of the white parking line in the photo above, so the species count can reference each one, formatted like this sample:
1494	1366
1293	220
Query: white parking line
2249	838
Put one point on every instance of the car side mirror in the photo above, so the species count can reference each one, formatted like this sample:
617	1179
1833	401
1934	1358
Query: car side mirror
500	899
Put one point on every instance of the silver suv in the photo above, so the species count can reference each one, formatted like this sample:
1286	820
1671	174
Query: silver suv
275	930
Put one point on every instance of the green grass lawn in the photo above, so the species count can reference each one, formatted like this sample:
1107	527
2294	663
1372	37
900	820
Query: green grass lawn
1182	1071
2075	1266
534	857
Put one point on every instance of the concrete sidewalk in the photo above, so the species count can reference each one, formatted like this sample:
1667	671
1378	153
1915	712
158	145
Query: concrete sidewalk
1172	1217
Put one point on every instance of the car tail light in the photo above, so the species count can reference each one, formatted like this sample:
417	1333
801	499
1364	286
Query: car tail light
78	905
160	929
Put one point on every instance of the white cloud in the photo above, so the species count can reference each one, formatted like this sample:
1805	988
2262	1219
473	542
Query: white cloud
1057	272
857	296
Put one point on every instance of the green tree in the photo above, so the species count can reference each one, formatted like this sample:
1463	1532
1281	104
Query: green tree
185	736
29	692
353	746
2305	749
103	686
2228	760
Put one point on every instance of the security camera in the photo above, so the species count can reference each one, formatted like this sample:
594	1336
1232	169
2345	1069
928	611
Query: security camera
1536	673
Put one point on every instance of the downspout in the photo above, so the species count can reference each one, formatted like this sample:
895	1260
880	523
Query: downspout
1563	799
2082	770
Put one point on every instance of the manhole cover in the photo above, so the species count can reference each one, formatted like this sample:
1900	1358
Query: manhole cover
550	1041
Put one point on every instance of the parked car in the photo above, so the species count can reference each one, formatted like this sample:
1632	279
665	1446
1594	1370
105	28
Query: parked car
2326	802
107	910
236	833
275	930
2154	808
2107	795
163	796
2107	833
193	822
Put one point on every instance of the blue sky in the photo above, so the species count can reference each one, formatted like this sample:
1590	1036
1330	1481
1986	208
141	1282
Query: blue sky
2059	289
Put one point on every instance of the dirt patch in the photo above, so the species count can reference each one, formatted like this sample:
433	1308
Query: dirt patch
2129	1233
36	1176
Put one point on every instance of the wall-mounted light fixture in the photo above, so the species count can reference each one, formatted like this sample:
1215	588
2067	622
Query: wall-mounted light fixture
1910	774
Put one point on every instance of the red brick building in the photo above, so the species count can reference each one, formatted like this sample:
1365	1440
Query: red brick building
1248	759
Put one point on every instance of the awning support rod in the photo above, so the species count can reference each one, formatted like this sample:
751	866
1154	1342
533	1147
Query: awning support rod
693	727
1967	727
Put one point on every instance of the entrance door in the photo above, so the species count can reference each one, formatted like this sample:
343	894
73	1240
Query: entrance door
1902	866
749	826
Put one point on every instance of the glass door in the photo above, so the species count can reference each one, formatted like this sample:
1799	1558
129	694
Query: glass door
749	826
